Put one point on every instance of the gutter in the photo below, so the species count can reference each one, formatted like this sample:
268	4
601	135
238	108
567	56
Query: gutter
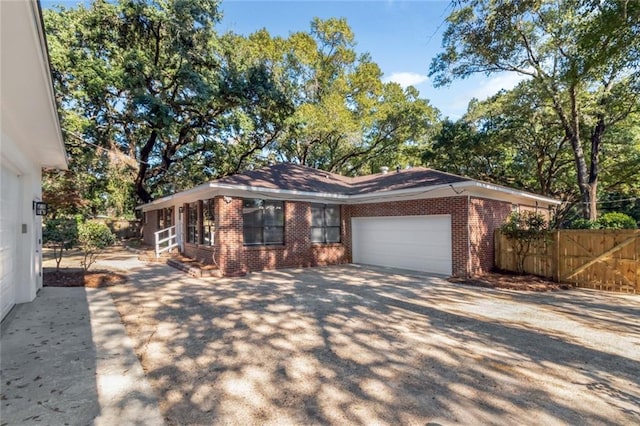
347	198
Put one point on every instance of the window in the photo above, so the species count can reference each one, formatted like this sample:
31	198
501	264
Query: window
168	217
325	223
208	224
263	222
165	218
192	223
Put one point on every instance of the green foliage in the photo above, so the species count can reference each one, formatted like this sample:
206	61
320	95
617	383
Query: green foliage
610	220
60	235
154	100
345	119
582	223
523	229
93	238
146	86
582	57
615	220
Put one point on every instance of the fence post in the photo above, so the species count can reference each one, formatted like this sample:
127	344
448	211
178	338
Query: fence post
497	250
555	257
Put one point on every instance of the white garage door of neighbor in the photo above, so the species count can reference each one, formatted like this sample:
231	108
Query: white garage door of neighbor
419	243
8	238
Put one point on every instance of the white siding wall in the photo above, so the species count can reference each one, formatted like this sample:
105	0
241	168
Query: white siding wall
21	228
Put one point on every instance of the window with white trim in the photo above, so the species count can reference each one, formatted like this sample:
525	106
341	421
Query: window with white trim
208	222
192	223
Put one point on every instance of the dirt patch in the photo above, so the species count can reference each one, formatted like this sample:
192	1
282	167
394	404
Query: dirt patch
511	282
80	278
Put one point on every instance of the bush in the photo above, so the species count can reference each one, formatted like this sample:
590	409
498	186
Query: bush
582	223
615	220
522	229
93	237
61	235
611	220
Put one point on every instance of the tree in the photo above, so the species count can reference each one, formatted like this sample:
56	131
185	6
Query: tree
524	229
462	148
152	82
345	119
60	235
93	238
583	55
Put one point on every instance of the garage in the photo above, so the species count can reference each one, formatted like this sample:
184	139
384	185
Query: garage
418	243
8	239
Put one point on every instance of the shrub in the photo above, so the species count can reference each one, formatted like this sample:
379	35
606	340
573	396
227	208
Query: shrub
93	237
615	220
523	229
611	220
60	235
582	223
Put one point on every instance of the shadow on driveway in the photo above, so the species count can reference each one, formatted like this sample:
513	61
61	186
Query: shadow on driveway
349	344
66	359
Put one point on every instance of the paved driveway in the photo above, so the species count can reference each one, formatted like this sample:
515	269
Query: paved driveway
359	345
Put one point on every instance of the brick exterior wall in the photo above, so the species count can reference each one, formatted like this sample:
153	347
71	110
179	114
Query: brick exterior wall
455	206
473	222
485	216
234	258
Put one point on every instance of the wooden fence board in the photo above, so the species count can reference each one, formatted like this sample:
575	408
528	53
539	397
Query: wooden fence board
599	259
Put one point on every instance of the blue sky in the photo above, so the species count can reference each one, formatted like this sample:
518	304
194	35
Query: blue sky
401	36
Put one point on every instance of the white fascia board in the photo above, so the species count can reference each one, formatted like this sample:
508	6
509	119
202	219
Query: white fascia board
474	188
509	191
212	189
60	157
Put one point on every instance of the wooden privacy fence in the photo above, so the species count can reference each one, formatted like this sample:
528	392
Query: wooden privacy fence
597	259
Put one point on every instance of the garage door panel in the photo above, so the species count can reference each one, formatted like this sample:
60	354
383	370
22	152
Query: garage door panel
421	243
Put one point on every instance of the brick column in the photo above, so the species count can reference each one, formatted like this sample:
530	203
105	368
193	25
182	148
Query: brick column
229	237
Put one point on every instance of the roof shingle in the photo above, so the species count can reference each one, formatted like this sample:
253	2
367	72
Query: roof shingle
294	177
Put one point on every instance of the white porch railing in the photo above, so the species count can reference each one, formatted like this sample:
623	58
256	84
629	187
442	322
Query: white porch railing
166	240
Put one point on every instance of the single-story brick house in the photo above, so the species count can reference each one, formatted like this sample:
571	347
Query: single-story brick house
289	215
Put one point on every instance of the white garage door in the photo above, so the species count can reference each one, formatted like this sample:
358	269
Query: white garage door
419	243
8	239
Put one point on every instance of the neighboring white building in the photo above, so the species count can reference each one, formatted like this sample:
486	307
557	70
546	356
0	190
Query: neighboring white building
30	139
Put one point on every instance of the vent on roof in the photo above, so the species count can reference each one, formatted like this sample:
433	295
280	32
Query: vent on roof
384	170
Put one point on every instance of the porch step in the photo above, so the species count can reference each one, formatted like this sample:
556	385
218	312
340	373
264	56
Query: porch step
150	256
191	270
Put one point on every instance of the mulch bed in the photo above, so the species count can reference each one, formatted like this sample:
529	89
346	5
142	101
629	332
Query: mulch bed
80	278
512	282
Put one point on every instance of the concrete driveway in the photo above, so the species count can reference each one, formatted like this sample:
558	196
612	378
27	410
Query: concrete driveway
361	345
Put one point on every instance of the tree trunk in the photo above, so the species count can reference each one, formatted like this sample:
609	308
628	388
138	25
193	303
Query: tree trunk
594	170
141	191
578	152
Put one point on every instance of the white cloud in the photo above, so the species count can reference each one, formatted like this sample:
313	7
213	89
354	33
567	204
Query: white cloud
405	79
453	100
493	85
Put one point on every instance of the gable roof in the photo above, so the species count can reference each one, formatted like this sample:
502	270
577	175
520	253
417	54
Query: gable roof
296	182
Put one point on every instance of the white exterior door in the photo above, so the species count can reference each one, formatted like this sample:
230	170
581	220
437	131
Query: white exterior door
9	223
419	243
